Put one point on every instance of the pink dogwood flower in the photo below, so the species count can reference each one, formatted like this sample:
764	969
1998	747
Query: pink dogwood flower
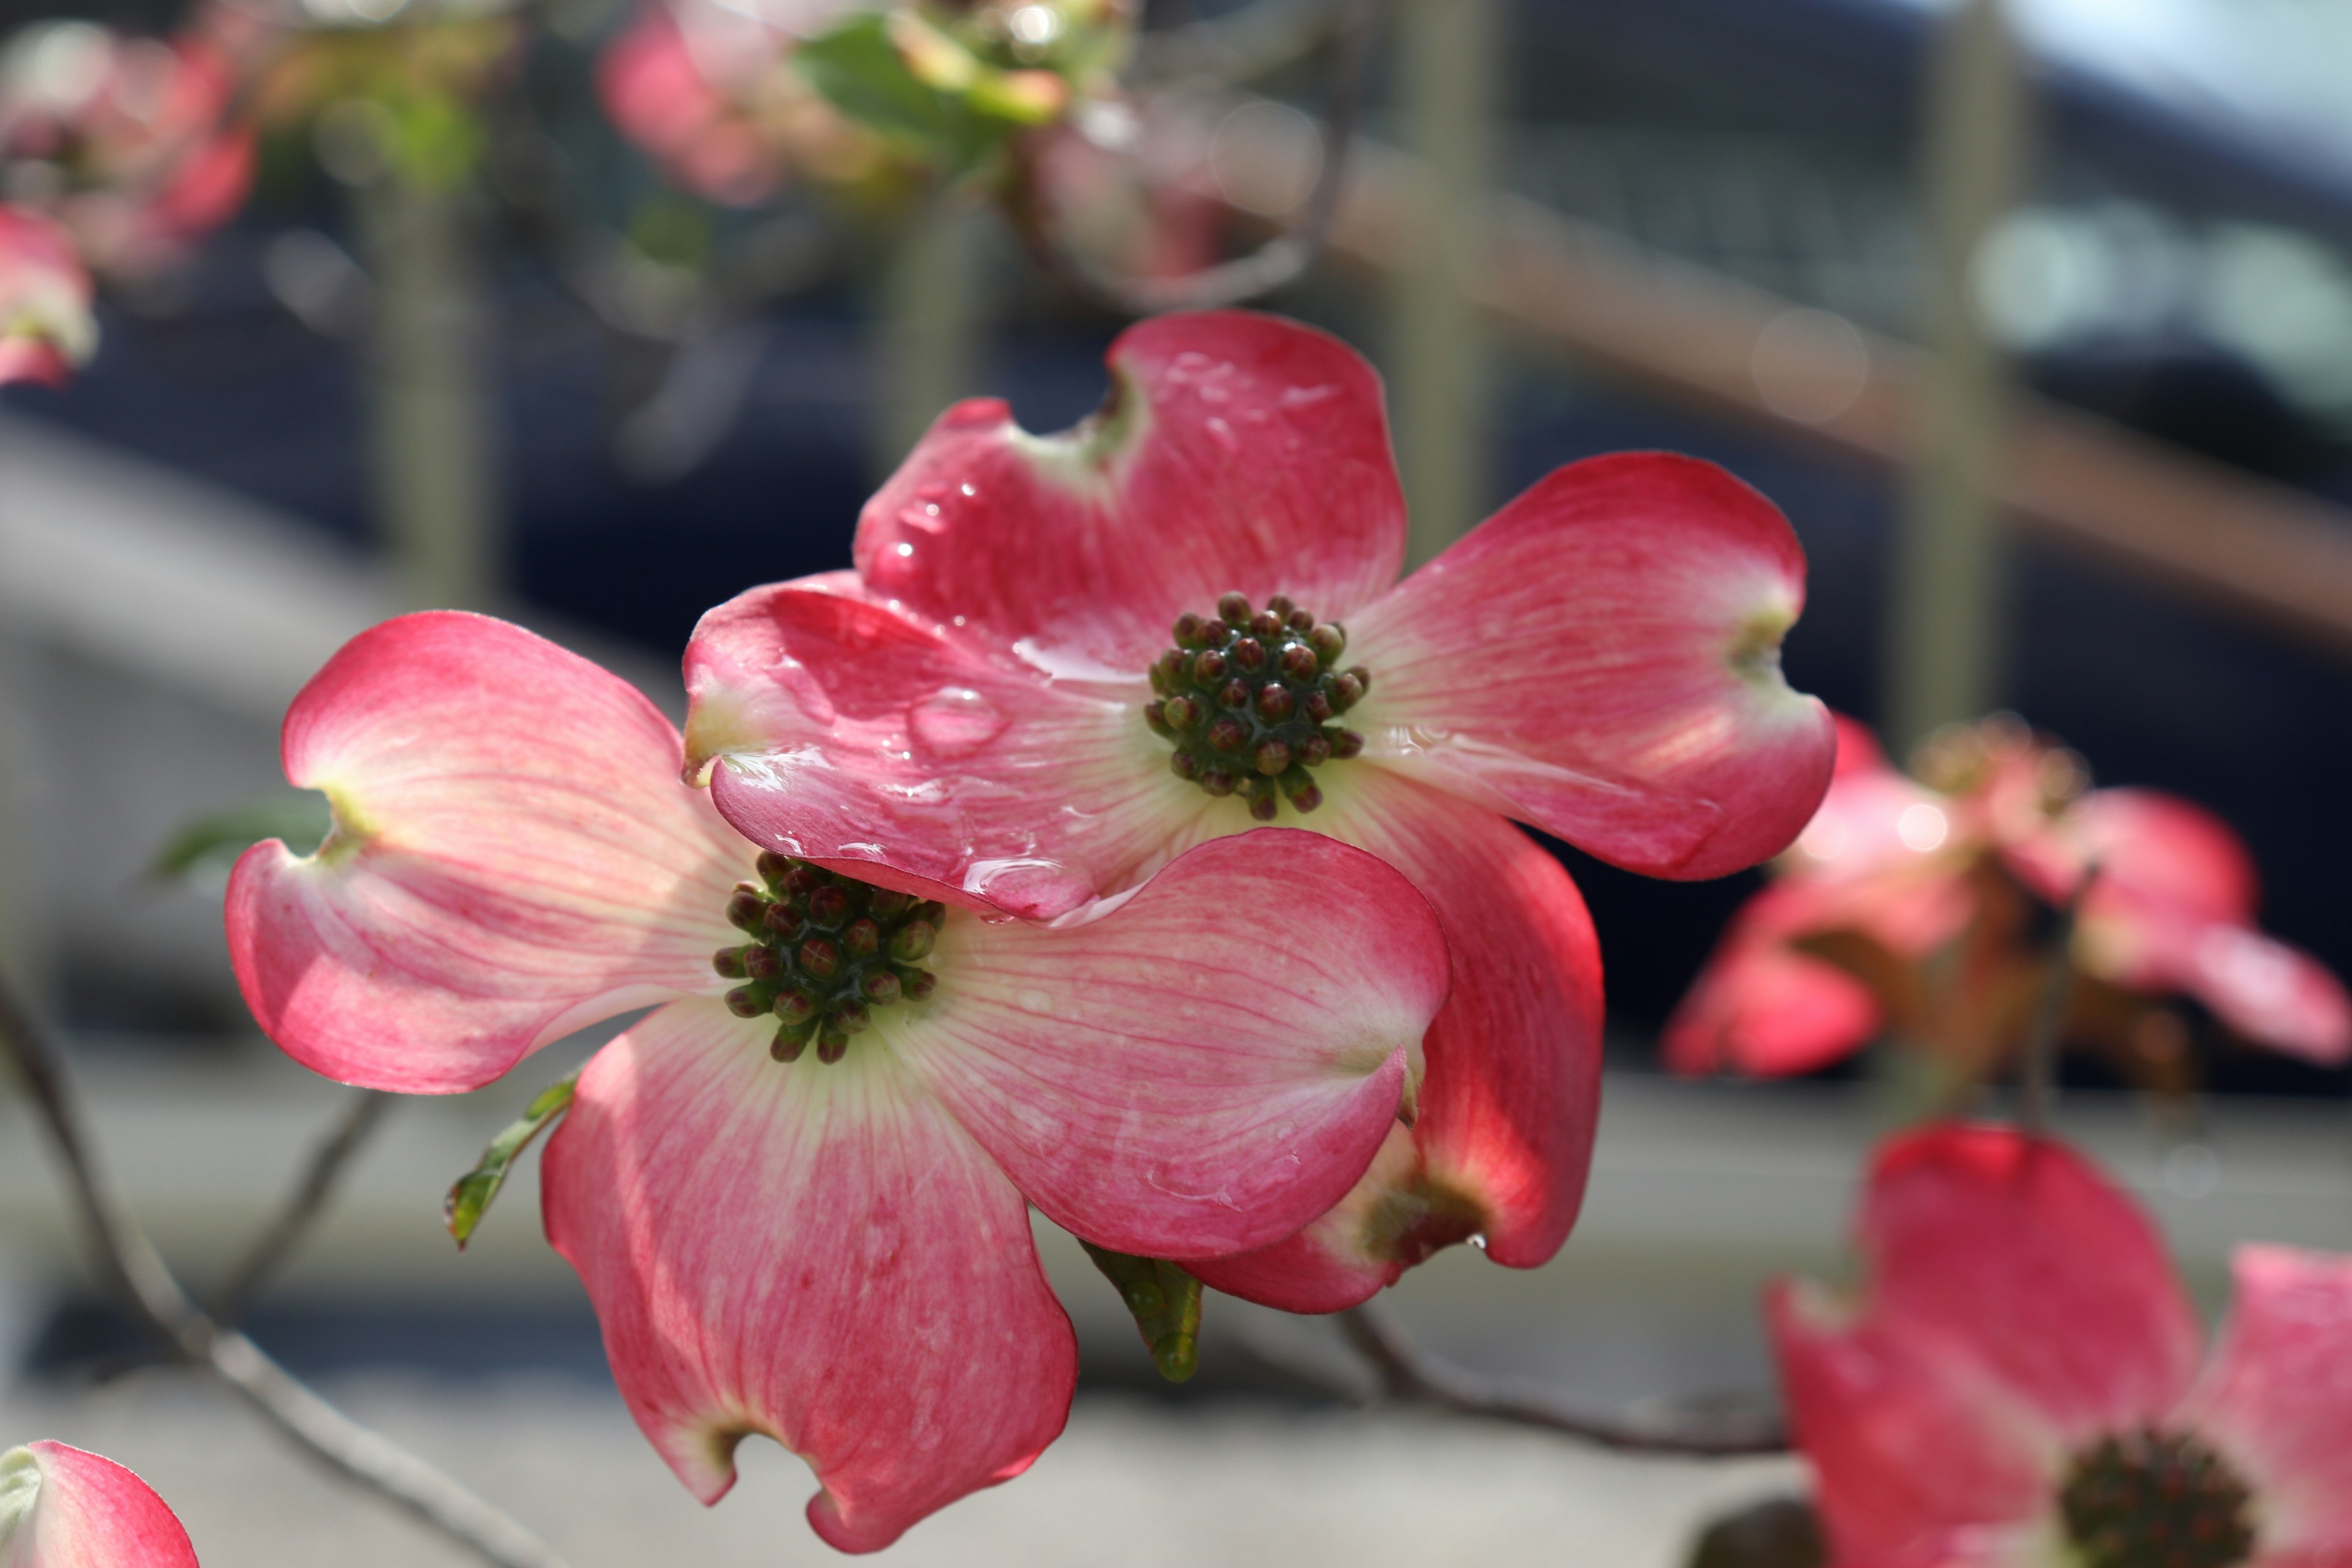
46	325
61	1508
1064	659
127	142
2018	1385
709	91
798	1191
1943	866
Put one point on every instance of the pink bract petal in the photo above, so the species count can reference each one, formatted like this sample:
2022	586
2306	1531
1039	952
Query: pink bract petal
2017	1256
1237	451
814	1252
1602	658
2267	992
1761	1008
2162	848
1918	1460
2278	1396
849	733
62	1508
513	857
1205	1068
1502	1140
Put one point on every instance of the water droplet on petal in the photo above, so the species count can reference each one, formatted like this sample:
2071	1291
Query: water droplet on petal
955	722
1478	1240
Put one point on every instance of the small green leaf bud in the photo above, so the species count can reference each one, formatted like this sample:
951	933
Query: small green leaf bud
728	962
747	1001
1271	757
881	988
1300	663
1227	734
1274	702
1233	608
820	960
912	943
828	907
1329	643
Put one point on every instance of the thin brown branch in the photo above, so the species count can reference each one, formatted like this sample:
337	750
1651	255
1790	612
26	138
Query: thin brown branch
1281	260
276	1244
1410	1373
2037	1083
147	1286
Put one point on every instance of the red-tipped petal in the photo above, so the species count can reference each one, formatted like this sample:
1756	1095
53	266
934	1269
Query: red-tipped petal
1238	452
62	1508
1205	1068
847	733
514	856
1602	658
2020	1256
2278	1397
1503	1138
814	1252
1918	1460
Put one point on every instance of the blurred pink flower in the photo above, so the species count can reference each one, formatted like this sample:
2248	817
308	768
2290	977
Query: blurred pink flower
835	1252
990	711
2018	1384
708	89
1907	864
124	140
60	1507
46	325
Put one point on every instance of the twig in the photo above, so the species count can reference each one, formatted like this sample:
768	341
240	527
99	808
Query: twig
271	1248
1282	260
2037	1072
148	1287
1408	1372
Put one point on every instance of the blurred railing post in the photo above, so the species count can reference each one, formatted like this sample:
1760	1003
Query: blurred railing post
430	404
1447	83
926	347
1945	613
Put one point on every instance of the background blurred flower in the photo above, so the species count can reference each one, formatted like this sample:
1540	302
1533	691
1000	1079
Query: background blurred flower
46	325
60	1507
2018	1383
709	91
129	141
993	708
831	1249
1909	905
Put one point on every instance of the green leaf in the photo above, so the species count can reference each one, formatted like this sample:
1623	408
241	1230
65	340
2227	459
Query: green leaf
1165	1302
856	65
299	818
469	1199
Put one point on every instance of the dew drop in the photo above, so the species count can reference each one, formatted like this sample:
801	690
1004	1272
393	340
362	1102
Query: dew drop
1478	1240
955	722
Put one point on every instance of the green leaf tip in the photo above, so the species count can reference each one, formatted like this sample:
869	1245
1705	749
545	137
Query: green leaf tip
470	1198
1165	1302
299	818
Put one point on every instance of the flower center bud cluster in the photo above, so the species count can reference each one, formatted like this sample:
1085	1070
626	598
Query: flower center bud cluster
2151	1499
825	951
1960	759
1252	698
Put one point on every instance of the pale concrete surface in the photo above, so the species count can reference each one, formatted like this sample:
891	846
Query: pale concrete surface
1132	1483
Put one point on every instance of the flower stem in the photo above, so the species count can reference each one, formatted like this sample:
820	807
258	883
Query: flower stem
148	1287
276	1244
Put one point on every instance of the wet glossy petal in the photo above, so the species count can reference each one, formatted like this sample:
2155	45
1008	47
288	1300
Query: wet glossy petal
1502	1141
1918	1460
848	732
61	1508
2278	1395
514	856
1601	659
2020	1257
1237	451
1206	1067
814	1252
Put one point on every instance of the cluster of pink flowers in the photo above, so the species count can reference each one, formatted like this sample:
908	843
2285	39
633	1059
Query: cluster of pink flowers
982	879
1904	905
117	154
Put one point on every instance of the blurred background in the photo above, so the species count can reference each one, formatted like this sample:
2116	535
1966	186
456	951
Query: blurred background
2036	320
